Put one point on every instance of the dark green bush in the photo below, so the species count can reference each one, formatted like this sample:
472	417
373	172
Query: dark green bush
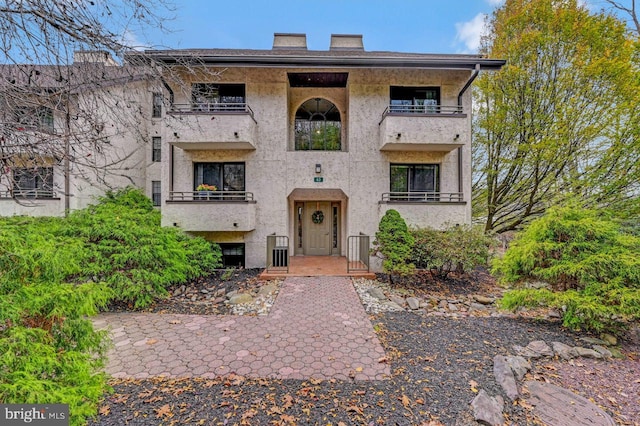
458	248
393	243
55	272
125	247
587	257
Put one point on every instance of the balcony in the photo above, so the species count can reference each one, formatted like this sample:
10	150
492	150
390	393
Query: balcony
210	211
33	202
428	209
423	128
211	126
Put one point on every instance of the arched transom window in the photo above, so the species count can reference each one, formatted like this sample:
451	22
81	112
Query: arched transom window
318	126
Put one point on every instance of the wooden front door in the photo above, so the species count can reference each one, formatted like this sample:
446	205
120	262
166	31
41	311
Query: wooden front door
317	228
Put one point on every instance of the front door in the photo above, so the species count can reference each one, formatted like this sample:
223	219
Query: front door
317	227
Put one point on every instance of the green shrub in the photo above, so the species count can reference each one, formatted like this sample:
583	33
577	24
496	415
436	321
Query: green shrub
393	243
458	248
571	248
55	272
591	262
126	248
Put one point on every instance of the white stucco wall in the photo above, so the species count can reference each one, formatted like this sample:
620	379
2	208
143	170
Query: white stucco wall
274	169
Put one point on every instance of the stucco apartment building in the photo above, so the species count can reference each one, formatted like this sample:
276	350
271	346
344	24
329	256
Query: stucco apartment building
289	151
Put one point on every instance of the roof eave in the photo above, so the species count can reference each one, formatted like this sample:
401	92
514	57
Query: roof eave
329	62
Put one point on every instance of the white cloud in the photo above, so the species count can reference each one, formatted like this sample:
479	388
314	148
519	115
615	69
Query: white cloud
469	32
132	41
495	2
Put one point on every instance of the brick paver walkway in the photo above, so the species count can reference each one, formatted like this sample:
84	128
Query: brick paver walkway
316	328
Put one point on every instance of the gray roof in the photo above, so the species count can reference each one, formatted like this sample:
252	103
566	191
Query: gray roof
316	58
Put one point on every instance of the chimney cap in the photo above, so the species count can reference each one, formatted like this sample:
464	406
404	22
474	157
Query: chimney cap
290	41
346	42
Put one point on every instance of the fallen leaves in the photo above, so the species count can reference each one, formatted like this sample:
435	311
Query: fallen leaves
164	411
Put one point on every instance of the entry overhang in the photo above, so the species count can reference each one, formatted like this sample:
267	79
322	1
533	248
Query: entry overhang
317	194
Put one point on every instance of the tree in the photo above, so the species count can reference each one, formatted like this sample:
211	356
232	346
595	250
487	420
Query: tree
629	10
560	119
73	102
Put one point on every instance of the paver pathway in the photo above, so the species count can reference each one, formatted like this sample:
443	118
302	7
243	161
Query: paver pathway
317	328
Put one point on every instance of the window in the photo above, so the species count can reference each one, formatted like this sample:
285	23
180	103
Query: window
422	179
36	182
218	97
156	149
418	100
232	255
35	117
157	105
224	176
156	192
318	126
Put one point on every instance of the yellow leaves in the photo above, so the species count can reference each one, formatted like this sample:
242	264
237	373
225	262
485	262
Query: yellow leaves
355	409
474	386
105	410
152	341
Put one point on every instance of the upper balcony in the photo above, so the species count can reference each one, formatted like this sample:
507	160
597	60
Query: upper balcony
203	126
210	211
423	128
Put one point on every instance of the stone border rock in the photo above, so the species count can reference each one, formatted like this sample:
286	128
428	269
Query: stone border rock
510	370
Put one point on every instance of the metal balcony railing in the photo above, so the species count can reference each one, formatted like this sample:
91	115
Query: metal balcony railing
424	110
213	196
28	193
207	108
423	197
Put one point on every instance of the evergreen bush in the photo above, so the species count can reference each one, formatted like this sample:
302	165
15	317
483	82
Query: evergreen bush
56	272
589	259
393	243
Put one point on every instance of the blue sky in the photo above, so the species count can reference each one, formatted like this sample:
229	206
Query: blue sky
426	26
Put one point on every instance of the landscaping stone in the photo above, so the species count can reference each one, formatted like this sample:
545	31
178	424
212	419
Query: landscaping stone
453	307
413	302
504	376
267	289
565	352
519	366
587	353
477	307
556	406
487	409
606	353
540	347
377	293
483	299
610	339
237	299
398	300
593	341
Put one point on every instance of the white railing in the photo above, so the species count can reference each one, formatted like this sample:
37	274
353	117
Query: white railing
28	193
210	196
423	197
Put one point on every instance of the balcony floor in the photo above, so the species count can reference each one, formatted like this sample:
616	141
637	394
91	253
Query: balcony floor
316	266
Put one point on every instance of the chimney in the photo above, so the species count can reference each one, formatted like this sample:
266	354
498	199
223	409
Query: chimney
346	42
290	41
94	57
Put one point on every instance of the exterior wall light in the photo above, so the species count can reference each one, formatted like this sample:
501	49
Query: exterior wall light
318	168
457	137
399	135
235	134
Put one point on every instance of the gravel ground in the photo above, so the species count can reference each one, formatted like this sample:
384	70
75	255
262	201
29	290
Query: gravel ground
437	365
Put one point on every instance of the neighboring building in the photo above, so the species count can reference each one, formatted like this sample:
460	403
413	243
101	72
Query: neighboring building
311	145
